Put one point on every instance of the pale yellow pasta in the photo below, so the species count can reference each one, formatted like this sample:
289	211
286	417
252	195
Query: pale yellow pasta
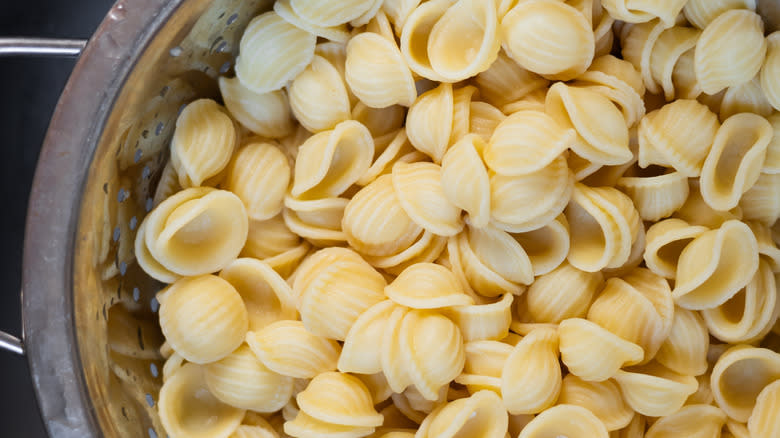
147	262
286	347
266	296
483	119
360	224
203	318
592	353
379	121
331	161
420	191
566	292
637	42
461	109
526	142
259	175
656	197
763	420
480	416
745	98
203	142
286	262
697	212
465	40
426	249
273	52
318	96
377	73
665	242
338	33
639	11
368	15
772	162
601	128
737	430
415	36
493	262
715	266
380	24
730	51
388	149
267	114
484	365
565	420
464	179
670	46
547	247
377	385
635	429
685	350
330	311
247	431
483	320
684	76
427	286
362	348
305	426
331	12
241	380
168	184
767	247
603	399
701	12
414	407
430	119
771	70
172	365
549	38
269	238
398	11
725	178
738	377
431	350
620	82
531	378
505	81
604	225
700	421
634	256
678	135
336	54
318	220
533	101
654	390
187	408
528	202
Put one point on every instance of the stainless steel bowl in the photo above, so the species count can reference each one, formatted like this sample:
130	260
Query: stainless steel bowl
90	327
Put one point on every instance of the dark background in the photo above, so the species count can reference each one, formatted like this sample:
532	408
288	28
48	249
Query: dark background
29	90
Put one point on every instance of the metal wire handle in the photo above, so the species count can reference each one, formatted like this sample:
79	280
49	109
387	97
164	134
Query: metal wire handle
56	47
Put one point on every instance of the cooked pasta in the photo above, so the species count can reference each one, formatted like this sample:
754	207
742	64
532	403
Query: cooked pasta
287	348
531	378
493	262
745	98
738	377
644	10
266	114
763	420
259	174
667	51
548	246
480	416
465	179
332	13
318	96
416	33
694	420
592	353
654	390
565	420
603	399
685	350
429	122
770	71
483	320
484	363
637	42
566	292
656	197
665	242
377	73
338	33
505	81
701	12
419	189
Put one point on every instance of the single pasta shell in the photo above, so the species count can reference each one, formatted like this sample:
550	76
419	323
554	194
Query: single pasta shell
331	13
259	174
394	366
505	81
745	98
484	119
484	365
269	238
265	114
697	212
287	348
427	286
318	235
565	292
380	24
685	350
481	416
379	121
273	53
684	77
771	70
203	142
767	248
377	385
147	262
603	399
736	31
360	223
723	178
601	128
658	196
318	96
547	247
531	378
429	121
643	10
431	346
687	149
423	250
715	266
415	36
389	149
461	108
266	296
340	399
324	213
305	426
331	161
763	420
465	40
701	12
772	162
654	390
420	192
565	420
185	395
338	33
700	421
549	38
203	318
398	11
483	321
533	101
528	202
580	339
241	380
377	73
665	242
361	353
465	180
637	42
526	142
738	377
668	49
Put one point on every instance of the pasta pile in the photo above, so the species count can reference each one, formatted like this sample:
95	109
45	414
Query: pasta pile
485	219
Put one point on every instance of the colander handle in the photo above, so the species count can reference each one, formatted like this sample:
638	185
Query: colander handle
34	47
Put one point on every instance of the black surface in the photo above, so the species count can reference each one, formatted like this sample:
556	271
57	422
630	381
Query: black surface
29	90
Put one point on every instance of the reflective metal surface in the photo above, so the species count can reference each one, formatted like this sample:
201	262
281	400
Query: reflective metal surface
41	47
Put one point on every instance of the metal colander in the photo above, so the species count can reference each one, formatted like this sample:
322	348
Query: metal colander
90	323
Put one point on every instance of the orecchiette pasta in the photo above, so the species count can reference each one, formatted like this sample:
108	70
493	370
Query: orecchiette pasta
694	420
644	10
637	42
654	390
603	399
419	189
338	33
745	98
566	292
685	350
318	96
483	321
738	377
416	32
266	114
548	246
429	121
259	174
484	364
286	347
667	51
465	179
505	81
531	377
592	353
483	253
763	420
565	420
427	286
701	12
377	73
480	416
665	242
760	203
656	197
771	69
